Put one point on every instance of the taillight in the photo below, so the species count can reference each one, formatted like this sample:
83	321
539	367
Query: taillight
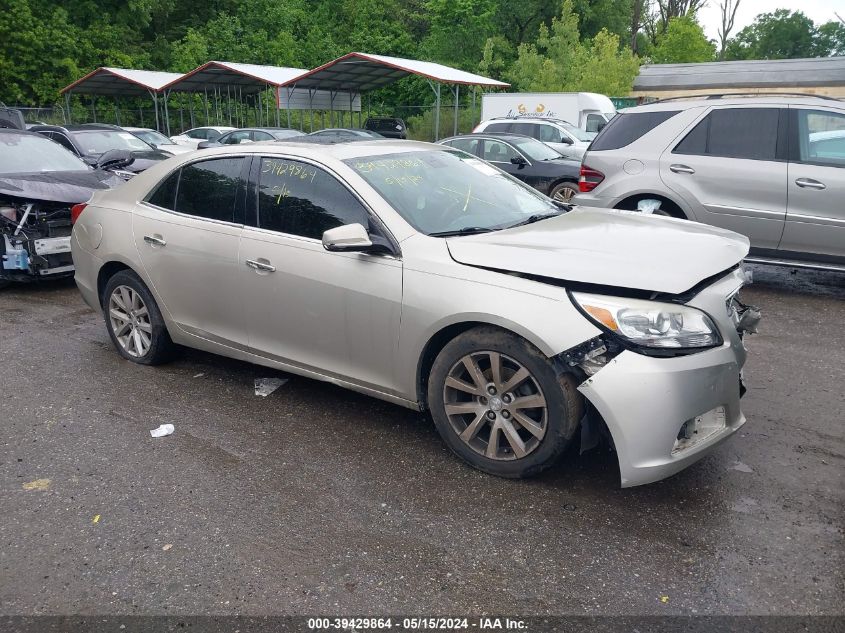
590	179
76	210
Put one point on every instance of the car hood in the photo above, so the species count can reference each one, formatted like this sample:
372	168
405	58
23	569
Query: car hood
623	249
71	187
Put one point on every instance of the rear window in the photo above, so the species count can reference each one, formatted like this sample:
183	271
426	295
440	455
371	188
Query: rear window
750	133
625	128
502	127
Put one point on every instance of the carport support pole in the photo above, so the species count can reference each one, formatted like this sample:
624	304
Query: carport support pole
205	92
191	109
457	100
116	112
311	107
437	115
277	98
67	104
94	108
155	107
166	115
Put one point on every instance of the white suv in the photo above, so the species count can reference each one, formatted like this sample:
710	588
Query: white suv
563	137
769	167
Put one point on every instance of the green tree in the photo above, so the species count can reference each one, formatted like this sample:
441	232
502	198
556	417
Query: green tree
783	34
683	42
561	62
830	39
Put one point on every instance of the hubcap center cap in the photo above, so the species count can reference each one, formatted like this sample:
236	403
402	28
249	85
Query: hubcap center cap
495	403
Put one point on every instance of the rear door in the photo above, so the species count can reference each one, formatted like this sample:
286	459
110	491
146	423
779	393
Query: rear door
815	217
187	234
731	170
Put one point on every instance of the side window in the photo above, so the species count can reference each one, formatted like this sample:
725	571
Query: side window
468	145
208	189
498	127
750	133
63	140
197	134
300	199
164	195
549	134
498	152
234	138
261	136
526	129
821	137
595	122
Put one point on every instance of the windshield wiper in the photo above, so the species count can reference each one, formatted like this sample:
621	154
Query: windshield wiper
467	230
531	219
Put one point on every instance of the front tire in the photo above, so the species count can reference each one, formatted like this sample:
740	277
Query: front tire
134	321
497	403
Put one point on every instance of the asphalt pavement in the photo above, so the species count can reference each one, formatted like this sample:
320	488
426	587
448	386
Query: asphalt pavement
316	500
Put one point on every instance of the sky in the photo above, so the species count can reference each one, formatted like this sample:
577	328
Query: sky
819	11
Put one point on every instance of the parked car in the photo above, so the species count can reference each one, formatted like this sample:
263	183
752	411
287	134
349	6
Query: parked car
193	137
515	314
251	135
39	184
157	140
563	137
90	141
387	127
343	134
769	167
525	158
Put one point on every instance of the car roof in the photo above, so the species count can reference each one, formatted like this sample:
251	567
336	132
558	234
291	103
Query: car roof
506	136
342	149
685	103
528	119
14	130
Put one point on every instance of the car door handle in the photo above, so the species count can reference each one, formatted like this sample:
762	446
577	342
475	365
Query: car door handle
255	265
681	169
810	183
155	241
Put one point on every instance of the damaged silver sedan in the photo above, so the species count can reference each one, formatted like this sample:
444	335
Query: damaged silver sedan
423	276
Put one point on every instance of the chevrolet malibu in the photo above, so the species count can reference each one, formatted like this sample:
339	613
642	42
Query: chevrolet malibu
421	275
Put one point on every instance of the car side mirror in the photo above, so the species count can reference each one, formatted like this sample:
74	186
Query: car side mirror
566	140
206	144
349	238
115	159
519	161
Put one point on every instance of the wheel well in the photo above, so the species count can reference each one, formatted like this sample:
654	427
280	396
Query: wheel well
666	204
107	271
560	181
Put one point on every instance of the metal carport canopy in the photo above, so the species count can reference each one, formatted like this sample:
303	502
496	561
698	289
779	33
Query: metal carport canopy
248	78
355	73
121	82
359	72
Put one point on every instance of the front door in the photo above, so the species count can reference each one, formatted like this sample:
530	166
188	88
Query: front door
815	218
500	154
731	170
187	234
333	313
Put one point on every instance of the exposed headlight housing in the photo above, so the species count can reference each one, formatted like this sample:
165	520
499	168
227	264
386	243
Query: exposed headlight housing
650	324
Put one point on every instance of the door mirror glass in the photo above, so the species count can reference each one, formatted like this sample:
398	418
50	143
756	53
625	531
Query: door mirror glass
519	160
565	140
347	238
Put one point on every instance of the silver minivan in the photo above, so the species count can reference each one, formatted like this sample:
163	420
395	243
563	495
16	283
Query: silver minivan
769	167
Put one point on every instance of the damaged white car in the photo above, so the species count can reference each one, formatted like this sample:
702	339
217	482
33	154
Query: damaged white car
423	276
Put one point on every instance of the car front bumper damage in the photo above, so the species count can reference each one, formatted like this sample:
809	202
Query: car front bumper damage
666	413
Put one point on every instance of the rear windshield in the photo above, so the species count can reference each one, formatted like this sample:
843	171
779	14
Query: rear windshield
625	128
101	141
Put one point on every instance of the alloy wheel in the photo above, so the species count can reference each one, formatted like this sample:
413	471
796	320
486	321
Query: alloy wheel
495	405
130	321
564	194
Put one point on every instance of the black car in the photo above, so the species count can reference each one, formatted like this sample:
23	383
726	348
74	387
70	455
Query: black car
528	159
90	141
39	184
387	126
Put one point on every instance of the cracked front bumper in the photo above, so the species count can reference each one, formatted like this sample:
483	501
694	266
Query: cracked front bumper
645	401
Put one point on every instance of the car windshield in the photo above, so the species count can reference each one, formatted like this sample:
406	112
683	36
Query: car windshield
450	191
577	132
23	153
534	149
154	138
100	141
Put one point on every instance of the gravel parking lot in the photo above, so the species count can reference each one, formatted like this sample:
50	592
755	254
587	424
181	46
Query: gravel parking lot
318	500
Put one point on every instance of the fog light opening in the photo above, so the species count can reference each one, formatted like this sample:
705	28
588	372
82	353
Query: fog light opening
700	428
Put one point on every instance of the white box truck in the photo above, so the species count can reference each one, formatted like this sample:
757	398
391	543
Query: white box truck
586	110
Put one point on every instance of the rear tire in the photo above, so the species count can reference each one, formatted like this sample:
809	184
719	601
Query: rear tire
134	321
498	404
564	192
